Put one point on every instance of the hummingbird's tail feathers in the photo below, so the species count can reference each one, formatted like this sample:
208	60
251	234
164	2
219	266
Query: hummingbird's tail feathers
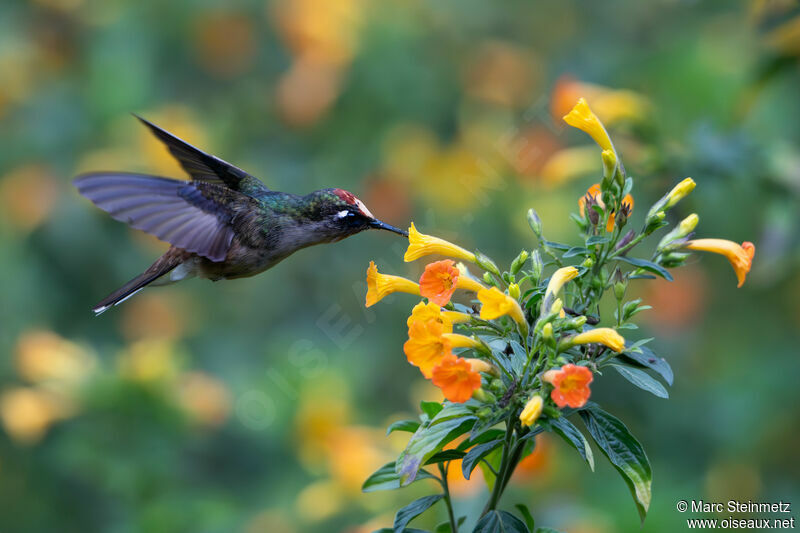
205	167
175	211
162	266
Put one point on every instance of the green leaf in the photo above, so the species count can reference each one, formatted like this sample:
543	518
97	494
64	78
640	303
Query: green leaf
477	453
493	458
385	478
409	426
597	239
479	437
431	408
413	510
444	527
444	456
624	452
573	436
646	265
518	357
540	530
650	360
406	530
627	187
453	420
641	379
576	250
500	522
526	515
556	245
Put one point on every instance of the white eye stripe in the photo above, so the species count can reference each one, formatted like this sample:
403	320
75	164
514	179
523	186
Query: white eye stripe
342	214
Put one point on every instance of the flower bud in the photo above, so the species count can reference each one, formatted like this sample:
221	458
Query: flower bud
679	192
622	216
576	323
483	413
619	285
673	259
519	262
558	308
532	410
609	166
497	385
535	222
667	201
677	237
688	224
588	262
536	266
488	278
591	214
513	291
654	222
483	396
547	334
624	241
486	263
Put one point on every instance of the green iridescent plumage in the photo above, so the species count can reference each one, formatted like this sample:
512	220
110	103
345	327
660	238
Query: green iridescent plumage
224	223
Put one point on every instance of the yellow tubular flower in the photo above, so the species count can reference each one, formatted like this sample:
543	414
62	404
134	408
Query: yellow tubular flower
532	410
679	192
461	341
456	317
605	336
420	245
423	312
740	256
496	304
479	365
584	119
469	284
381	285
557	280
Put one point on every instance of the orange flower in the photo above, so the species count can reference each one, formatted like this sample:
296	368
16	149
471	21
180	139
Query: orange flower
740	257
438	282
571	385
456	378
426	346
594	192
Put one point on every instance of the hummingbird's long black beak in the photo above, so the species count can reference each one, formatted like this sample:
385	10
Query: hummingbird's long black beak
379	224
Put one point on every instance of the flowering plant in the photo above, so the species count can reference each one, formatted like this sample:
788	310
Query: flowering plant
530	348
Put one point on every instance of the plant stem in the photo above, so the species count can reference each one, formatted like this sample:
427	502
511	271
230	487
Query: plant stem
499	485
636	240
447	500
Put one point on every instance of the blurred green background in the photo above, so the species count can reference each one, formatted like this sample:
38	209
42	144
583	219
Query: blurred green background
257	405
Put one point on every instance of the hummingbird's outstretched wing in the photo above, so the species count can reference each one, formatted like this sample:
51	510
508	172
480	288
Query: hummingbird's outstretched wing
193	216
206	167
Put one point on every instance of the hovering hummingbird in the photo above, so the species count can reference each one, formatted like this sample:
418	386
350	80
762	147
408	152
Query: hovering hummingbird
224	223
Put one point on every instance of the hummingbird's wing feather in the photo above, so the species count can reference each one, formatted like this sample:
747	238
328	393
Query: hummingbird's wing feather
183	213
206	167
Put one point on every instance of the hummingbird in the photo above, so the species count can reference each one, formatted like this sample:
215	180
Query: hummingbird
221	224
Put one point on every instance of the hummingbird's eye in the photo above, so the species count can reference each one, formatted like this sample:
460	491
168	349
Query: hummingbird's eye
342	214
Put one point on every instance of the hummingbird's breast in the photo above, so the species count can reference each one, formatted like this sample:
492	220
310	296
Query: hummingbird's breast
250	256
